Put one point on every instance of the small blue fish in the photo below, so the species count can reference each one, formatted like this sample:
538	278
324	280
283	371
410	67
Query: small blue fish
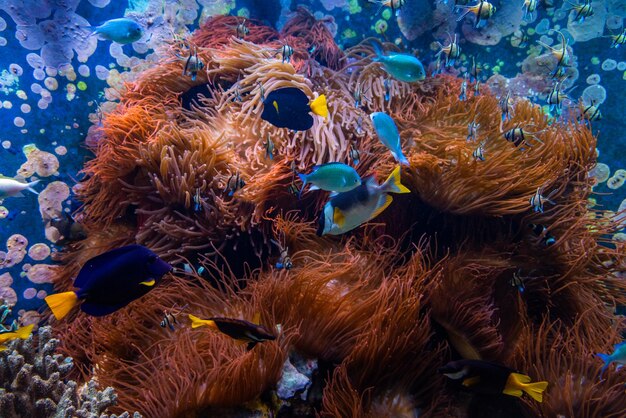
122	30
403	67
387	83
388	134
618	356
332	177
110	281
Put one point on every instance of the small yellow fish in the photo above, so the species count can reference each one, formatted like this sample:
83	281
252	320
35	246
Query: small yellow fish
22	333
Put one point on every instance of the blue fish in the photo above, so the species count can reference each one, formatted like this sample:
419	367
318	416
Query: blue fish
618	356
403	67
388	134
122	30
332	177
348	210
110	281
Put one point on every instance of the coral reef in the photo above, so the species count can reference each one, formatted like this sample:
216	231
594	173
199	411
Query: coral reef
381	308
32	383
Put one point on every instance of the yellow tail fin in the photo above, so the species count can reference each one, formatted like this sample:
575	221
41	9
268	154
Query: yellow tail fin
535	390
24	332
197	322
319	107
62	303
393	185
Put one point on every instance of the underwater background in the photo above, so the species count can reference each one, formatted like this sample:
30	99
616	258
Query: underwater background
60	86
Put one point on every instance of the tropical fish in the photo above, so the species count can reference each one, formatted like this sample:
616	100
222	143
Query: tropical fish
555	98
21	333
332	177
619	39
517	281
348	210
478	153
269	147
69	230
110	281
286	52
472	131
122	30
583	10
193	65
463	93
238	329
475	69
284	261
537	200
483	11
289	107
519	39
563	58
388	134
530	7
169	320
242	30
618	356
591	112
395	5
518	136
403	67
197	201
354	155
387	85
359	95
488	378
452	51
547	239
234	183
477	88
10	187
505	106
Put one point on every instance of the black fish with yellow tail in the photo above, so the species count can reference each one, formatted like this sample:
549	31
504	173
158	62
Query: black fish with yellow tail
289	108
238	329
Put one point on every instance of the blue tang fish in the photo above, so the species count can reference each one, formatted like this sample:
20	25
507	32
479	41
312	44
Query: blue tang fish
289	107
122	30
403	67
388	134
618	356
110	281
348	210
332	177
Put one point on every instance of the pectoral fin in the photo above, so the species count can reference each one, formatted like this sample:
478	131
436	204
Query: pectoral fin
148	283
275	104
339	218
471	381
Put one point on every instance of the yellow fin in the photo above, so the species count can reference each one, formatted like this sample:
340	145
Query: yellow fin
516	383
471	381
393	185
256	319
339	218
275	104
24	332
388	200
148	283
197	322
319	106
61	303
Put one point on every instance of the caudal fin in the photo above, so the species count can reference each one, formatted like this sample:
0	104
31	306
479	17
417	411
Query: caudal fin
24	332
197	322
393	185
535	390
319	106
30	186
62	303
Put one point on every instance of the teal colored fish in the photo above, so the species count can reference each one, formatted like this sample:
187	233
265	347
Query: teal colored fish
618	356
332	177
388	134
122	30
403	67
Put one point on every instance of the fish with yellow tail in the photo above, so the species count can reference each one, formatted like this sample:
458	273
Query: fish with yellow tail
110	281
349	210
251	333
483	10
20	333
289	107
488	378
